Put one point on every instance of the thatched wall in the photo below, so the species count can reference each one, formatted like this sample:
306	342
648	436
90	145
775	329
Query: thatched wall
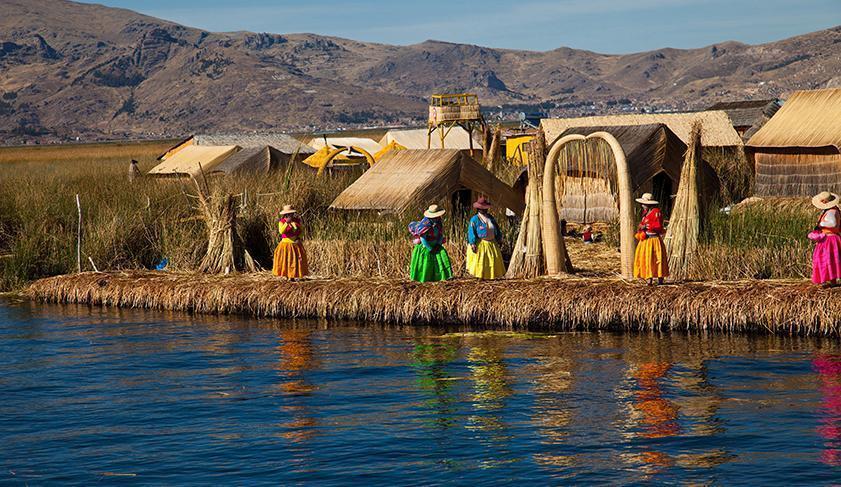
797	171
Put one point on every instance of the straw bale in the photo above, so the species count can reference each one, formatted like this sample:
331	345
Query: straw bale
718	129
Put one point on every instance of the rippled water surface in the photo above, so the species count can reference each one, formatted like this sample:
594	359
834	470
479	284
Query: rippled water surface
133	397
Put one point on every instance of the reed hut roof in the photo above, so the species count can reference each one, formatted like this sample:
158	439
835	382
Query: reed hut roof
192	160
409	180
364	143
250	159
718	130
649	149
457	138
807	119
281	142
748	113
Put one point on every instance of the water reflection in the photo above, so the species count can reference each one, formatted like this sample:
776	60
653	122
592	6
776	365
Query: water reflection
491	386
829	371
296	356
430	359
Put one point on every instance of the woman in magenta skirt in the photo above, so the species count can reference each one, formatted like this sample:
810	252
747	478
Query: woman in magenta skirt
826	260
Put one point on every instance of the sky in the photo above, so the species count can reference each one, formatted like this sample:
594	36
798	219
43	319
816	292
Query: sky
607	26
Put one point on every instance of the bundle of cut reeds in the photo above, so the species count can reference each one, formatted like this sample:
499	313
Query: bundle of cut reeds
527	259
685	224
491	152
225	250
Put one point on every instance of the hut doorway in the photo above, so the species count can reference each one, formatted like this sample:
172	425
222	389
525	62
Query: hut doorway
586	179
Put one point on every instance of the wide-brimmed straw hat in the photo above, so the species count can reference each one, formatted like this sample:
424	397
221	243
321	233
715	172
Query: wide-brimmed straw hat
825	200
482	203
647	199
288	210
434	211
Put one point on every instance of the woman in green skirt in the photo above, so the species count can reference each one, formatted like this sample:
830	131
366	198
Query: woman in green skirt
430	261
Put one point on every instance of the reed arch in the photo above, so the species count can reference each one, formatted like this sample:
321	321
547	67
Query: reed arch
335	152
550	224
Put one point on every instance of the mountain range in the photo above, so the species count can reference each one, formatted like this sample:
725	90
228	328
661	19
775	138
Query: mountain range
71	70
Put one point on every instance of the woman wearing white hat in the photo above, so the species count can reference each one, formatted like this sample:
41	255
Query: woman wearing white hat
290	259
826	260
430	261
650	259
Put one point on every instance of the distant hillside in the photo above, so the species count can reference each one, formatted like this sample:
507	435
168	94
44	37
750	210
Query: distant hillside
69	69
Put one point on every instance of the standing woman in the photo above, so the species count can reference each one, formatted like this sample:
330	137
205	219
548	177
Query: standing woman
826	260
290	259
483	238
650	260
430	261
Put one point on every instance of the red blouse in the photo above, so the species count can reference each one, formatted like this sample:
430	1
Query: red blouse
652	222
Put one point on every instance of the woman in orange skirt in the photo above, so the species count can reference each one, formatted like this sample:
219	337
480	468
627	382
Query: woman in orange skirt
290	259
650	260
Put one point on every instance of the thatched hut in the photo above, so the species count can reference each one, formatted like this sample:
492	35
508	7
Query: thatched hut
798	152
587	190
723	148
230	154
748	116
409	180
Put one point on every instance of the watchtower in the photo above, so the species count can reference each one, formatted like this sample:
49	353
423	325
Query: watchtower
451	110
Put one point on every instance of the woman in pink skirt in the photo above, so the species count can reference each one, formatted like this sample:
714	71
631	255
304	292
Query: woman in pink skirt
826	261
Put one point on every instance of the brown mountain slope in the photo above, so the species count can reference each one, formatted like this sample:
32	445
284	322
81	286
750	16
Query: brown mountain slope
70	69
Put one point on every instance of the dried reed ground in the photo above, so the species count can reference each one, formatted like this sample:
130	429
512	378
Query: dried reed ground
572	303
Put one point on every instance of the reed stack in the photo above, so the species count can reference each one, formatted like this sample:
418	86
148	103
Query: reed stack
682	235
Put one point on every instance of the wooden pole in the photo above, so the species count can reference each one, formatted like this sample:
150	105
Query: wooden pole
79	236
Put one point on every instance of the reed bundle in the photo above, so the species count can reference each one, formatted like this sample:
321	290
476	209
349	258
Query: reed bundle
491	154
569	303
225	249
685	225
527	260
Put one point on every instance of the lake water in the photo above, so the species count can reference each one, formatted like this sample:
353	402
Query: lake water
139	397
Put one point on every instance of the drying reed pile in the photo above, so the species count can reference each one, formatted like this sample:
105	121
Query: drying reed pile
546	303
685	226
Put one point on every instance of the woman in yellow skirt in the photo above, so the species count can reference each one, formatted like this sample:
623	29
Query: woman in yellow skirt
290	259
650	260
483	238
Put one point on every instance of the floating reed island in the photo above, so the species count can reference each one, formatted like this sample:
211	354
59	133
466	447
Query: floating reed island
552	304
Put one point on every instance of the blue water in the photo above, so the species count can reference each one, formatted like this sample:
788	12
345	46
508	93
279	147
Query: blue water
153	398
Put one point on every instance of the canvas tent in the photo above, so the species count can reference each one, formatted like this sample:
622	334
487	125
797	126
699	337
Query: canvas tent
411	180
192	160
717	128
456	138
798	152
588	192
748	116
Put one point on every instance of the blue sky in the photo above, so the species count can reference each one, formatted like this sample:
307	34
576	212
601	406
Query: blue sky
609	26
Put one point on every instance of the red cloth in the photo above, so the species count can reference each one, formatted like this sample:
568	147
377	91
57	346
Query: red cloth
652	222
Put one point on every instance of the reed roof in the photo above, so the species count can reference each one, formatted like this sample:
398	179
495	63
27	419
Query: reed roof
457	138
410	180
192	160
807	119
748	113
249	159
282	142
718	130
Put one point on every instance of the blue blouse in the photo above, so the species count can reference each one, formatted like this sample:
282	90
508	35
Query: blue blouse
477	230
